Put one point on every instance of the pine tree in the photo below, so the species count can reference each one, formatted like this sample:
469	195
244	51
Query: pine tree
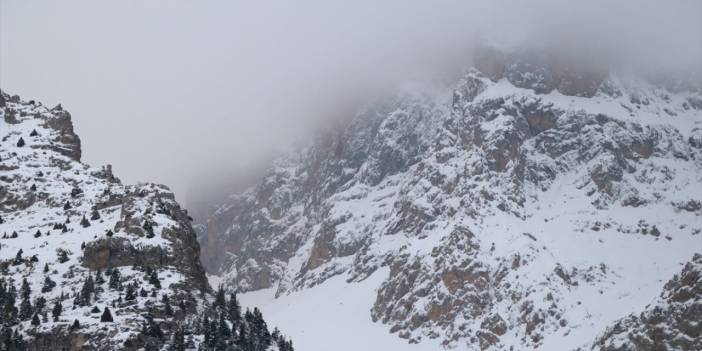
260	336
106	315
66	207
99	280
56	311
37	234
87	291
35	320
18	257
219	298
46	268
153	280
95	215
167	306
152	329
33	187
39	304
18	342
148	227
33	133
62	255
115	280
234	310
8	311
178	341
131	292
75	192
76	325
84	222
20	142
223	328
48	285
25	310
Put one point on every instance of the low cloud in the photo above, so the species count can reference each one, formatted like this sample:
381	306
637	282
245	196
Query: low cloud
196	95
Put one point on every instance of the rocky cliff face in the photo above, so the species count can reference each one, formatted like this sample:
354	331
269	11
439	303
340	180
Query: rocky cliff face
76	242
530	205
672	322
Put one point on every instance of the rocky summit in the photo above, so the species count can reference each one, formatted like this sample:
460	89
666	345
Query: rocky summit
88	263
533	204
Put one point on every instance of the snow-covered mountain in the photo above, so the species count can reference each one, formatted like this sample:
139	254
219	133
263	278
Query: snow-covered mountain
536	204
87	263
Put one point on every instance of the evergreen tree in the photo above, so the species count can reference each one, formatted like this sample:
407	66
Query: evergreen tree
167	306
39	304
95	215
46	268
87	291
7	303
33	187
35	320
62	255
178	341
66	207
76	325
106	315
37	234
99	280
115	280
148	227
33	133
131	292
75	192
152	329
223	331
212	331
234	310
25	290
18	257
18	342
153	280
25	310
84	222
20	142
48	284
219	298
56	311
6	338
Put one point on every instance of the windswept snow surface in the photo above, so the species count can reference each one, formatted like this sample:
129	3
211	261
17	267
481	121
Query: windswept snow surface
331	316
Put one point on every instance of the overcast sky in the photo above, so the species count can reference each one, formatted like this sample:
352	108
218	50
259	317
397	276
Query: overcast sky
193	92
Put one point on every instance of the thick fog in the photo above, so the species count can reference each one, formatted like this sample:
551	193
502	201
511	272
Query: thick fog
200	94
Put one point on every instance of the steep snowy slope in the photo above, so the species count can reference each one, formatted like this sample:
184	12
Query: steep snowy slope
530	206
88	263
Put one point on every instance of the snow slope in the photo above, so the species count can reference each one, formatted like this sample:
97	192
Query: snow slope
529	206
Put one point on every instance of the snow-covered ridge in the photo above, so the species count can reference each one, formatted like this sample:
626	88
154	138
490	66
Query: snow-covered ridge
91	264
507	212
